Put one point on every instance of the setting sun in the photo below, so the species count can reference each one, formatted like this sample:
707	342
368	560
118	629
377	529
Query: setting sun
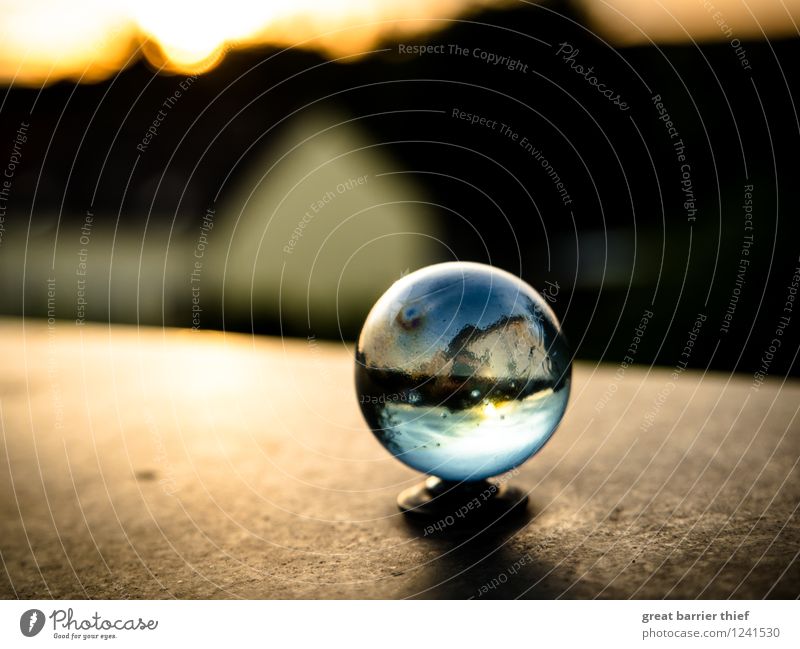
89	40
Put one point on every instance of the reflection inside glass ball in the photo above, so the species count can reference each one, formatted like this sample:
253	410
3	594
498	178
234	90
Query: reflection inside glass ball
462	371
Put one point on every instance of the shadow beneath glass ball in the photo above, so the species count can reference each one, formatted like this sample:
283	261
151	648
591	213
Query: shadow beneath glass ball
483	557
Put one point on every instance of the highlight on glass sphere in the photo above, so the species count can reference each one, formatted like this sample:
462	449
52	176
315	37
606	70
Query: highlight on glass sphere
462	371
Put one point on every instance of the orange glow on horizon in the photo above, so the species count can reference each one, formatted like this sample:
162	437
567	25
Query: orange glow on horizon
42	41
88	40
635	22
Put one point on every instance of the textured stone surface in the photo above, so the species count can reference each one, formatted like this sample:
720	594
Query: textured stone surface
155	464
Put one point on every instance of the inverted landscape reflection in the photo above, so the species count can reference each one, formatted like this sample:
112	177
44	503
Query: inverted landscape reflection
462	371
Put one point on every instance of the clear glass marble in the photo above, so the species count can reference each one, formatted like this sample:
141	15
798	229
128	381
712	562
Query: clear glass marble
462	371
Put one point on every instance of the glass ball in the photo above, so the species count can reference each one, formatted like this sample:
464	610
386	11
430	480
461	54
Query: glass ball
462	371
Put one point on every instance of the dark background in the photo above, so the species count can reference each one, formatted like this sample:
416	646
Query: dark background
622	247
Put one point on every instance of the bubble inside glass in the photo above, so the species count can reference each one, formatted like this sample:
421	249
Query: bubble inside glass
462	371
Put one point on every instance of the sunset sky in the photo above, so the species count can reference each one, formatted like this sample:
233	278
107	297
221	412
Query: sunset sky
88	40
